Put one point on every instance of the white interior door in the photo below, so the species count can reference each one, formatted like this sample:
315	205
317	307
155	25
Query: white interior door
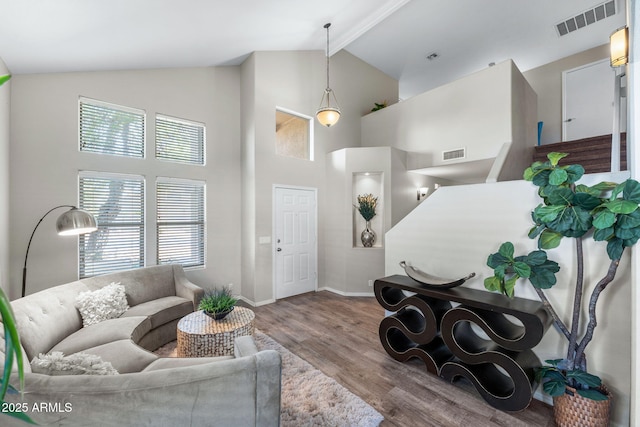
295	242
588	101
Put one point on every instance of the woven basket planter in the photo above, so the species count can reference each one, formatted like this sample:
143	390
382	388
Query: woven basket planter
578	411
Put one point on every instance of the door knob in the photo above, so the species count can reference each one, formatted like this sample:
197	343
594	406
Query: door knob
279	249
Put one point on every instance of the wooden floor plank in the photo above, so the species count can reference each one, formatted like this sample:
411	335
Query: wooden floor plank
339	336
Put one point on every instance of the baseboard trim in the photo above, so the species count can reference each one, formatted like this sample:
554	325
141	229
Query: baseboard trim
346	294
256	304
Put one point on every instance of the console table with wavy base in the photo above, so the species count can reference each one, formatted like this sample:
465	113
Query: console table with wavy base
426	325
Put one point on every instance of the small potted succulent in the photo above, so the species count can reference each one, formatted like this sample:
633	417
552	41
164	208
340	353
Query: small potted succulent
218	303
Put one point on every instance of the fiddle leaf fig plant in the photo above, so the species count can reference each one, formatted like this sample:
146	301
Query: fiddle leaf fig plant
607	212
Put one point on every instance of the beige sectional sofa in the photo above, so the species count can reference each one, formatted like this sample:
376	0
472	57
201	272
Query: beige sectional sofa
242	390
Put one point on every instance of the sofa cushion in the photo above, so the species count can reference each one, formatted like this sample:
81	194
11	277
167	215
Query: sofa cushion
178	362
162	310
141	284
47	317
102	304
56	363
104	332
124	355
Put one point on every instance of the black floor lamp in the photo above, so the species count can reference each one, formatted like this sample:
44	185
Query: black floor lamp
73	222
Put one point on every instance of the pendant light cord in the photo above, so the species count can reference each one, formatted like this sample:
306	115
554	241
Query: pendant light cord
327	27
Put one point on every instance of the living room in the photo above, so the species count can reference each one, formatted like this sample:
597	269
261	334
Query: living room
237	103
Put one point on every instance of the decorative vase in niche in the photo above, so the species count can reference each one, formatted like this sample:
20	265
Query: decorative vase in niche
368	237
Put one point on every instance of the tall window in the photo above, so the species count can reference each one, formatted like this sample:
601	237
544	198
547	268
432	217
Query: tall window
117	202
111	129
181	222
180	140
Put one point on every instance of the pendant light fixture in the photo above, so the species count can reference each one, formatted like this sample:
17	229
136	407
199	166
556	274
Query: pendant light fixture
327	114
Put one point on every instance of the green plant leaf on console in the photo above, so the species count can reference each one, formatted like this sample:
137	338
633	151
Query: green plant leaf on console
549	239
522	269
4	79
509	286
584	378
558	177
492	284
604	219
621	206
554	387
631	191
555	157
507	250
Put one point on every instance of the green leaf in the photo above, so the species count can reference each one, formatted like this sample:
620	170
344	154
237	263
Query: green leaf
561	196
549	239
627	233
584	378
547	213
603	234
615	248
495	260
617	190
536	230
522	269
554	157
536	258
554	362
509	286
4	79
604	219
631	220
586	201
541	179
543	277
574	173
621	206
528	174
592	394
507	250
492	284
558	177
600	187
631	191
554	388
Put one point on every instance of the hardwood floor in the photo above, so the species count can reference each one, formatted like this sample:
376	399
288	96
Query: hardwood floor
339	336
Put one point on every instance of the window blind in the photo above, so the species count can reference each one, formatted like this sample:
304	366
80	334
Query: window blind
180	222
180	140
117	202
111	129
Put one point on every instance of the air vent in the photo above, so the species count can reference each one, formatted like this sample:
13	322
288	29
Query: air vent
458	153
587	17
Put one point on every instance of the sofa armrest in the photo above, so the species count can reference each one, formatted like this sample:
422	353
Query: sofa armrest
186	289
244	346
242	392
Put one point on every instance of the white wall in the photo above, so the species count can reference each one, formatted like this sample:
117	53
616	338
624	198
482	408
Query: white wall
452	233
295	81
45	161
547	82
472	112
5	97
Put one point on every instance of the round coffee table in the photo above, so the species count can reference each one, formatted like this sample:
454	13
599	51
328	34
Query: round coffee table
201	336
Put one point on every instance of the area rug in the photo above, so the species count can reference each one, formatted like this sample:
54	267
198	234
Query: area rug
309	397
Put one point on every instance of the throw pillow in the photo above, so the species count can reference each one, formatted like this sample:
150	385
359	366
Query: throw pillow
56	363
102	304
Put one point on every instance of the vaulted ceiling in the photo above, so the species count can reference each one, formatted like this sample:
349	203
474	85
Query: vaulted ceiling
395	36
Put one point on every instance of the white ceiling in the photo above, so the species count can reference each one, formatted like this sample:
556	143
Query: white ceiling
43	36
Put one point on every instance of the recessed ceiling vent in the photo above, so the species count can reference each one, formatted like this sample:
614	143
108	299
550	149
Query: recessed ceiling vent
587	17
458	153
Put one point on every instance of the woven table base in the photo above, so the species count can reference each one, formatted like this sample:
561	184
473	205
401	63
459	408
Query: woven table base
201	336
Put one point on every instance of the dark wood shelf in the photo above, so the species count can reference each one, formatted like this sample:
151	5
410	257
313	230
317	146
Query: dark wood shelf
426	325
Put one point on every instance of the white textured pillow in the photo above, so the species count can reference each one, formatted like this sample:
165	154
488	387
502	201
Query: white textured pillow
56	363
105	303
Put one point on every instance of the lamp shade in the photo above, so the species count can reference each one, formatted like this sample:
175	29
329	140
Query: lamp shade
619	47
75	221
328	116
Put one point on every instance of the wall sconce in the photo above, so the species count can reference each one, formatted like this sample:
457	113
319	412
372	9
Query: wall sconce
619	43
422	192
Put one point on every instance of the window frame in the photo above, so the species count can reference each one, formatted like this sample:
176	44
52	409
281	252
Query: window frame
109	267
108	150
202	149
201	247
310	121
